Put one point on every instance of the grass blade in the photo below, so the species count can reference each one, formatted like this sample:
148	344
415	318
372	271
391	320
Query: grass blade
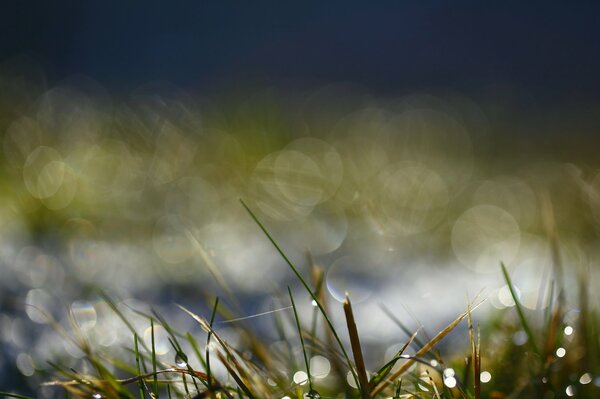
310	386
428	346
137	363
307	287
209	335
520	312
356	349
387	368
154	368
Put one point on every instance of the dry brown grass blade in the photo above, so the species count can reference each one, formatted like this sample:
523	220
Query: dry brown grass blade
356	349
428	346
475	355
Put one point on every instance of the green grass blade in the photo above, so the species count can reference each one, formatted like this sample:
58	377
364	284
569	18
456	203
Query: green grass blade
208	337
155	384
307	287
137	364
387	368
522	318
306	362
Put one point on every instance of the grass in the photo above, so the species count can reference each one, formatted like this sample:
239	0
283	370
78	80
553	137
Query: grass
537	369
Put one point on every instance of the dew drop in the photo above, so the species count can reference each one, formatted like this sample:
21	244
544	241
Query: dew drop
300	377
96	396
449	372
570	391
561	352
181	360
312	394
350	380
568	330
485	377
585	379
450	382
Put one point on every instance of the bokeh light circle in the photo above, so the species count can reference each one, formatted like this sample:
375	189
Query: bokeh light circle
352	275
485	235
414	198
43	172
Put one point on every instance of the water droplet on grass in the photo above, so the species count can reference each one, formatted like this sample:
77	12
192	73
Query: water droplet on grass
570	391
450	382
585	379
181	360
568	330
485	377
300	377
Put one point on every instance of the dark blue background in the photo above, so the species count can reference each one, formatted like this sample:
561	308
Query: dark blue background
550	49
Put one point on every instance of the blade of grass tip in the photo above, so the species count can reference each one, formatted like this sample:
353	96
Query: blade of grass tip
356	349
387	368
400	325
317	275
310	385
475	359
471	359
278	322
428	346
137	364
155	383
307	287
14	395
209	335
520	312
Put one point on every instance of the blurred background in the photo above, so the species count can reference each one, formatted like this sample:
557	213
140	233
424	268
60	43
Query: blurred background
405	147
